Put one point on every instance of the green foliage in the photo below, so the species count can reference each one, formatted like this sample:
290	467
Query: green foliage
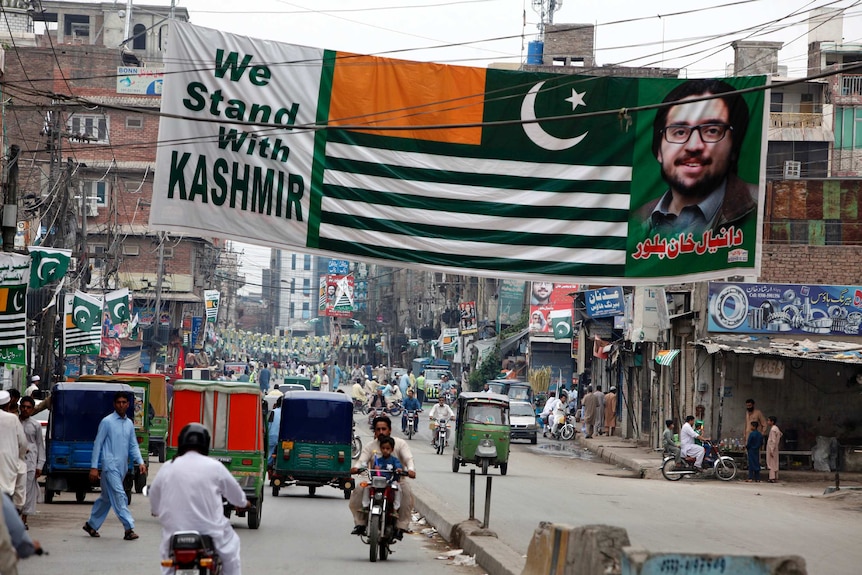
490	368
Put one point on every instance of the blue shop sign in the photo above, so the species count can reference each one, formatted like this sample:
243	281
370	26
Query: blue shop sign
605	302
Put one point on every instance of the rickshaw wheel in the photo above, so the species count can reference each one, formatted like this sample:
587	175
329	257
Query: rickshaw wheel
79	496
275	490
384	551
455	464
254	518
484	467
140	482
128	497
49	495
162	454
312	490
504	467
347	493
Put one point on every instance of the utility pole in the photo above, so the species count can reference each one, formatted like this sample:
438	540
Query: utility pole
10	208
158	305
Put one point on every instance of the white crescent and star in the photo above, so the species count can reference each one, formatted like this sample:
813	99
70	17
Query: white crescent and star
82	309
119	310
18	301
536	133
42	264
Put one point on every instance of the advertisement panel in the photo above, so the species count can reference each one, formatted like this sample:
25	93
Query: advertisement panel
802	309
544	180
547	298
605	302
468	323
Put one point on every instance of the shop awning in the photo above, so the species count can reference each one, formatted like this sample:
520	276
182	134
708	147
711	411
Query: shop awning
823	350
666	356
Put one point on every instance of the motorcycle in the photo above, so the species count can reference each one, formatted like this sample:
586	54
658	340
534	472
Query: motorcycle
381	531
373	413
412	422
192	553
450	397
395	408
722	465
441	434
359	406
356	445
566	430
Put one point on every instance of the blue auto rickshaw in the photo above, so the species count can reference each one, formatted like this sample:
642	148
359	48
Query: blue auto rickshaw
76	411
314	442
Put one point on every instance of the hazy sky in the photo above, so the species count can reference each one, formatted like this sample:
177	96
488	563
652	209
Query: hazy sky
694	36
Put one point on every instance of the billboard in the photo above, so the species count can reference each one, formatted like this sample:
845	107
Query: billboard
801	309
550	301
535	175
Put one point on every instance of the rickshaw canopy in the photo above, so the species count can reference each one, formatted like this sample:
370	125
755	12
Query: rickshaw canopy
231	410
158	391
315	417
78	408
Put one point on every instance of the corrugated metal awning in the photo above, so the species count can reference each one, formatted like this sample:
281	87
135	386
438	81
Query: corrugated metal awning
666	356
823	350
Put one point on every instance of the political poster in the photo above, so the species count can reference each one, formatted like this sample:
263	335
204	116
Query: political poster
551	301
13	308
527	175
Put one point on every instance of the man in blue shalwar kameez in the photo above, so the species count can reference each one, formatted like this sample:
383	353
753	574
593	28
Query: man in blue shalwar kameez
115	443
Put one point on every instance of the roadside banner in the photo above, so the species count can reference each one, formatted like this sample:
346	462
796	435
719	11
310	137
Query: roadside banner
83	329
468	323
211	301
13	308
47	265
487	172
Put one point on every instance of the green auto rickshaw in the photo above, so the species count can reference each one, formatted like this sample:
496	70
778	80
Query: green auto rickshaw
233	413
314	444
482	431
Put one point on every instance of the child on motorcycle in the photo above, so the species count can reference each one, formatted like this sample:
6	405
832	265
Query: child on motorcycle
384	464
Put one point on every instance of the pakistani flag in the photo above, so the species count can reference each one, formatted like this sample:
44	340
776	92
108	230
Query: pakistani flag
489	172
47	265
13	307
117	306
83	326
561	322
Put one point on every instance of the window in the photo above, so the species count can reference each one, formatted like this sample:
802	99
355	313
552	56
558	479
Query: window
135	122
293	261
306	286
95	192
77	27
306	312
139	37
292	311
292	286
91	128
169	252
306	262
776	102
131	250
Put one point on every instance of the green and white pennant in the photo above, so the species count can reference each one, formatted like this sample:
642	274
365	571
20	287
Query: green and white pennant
561	322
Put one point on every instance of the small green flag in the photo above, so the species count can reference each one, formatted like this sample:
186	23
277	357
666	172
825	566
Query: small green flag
561	321
86	311
47	265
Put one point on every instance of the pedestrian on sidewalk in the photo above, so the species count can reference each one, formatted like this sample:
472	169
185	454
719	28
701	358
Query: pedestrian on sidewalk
772	448
752	414
591	407
600	410
611	411
752	447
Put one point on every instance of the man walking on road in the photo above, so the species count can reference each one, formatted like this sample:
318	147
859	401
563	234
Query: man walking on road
591	408
35	458
263	378
13	450
420	387
611	411
115	443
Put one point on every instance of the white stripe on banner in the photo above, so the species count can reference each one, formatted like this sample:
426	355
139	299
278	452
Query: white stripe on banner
478	165
474	221
515	197
588	255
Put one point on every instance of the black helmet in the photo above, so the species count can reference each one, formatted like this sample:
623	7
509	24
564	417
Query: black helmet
194	437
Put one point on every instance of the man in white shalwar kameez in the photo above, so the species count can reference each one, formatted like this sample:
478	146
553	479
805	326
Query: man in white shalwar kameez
187	495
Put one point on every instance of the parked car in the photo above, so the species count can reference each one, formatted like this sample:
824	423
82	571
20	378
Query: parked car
522	418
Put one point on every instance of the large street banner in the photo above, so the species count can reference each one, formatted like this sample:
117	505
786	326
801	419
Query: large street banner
550	301
211	301
14	276
487	172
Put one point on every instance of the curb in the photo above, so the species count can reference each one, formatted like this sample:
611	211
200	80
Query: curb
491	554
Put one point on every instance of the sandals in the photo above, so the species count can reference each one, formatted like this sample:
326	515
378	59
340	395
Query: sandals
130	535
90	531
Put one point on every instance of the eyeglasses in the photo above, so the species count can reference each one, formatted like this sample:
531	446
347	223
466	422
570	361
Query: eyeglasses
709	133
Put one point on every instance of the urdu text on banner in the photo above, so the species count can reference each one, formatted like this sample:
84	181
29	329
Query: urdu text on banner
285	146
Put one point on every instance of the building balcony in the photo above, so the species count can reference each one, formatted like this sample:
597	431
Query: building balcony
795	120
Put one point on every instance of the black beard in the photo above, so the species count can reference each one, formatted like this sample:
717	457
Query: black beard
700	189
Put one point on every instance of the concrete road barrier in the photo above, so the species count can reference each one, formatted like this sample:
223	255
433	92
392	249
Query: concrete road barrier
642	562
558	549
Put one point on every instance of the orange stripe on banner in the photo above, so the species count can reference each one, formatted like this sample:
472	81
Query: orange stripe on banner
4	298
387	92
70	322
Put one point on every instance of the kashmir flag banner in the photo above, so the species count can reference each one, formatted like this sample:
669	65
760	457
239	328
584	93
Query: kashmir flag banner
211	302
479	171
82	333
47	265
14	277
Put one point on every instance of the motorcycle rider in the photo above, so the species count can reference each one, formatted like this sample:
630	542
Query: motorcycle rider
688	448
187	495
440	411
410	404
383	427
559	415
670	446
547	411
